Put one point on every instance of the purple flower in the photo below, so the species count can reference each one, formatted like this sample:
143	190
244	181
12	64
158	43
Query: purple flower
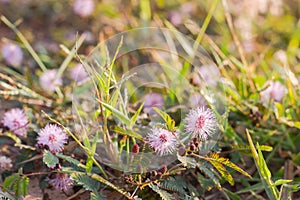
12	54
62	182
52	136
83	8
78	73
162	141
48	82
153	100
5	163
207	74
276	91
201	122
16	120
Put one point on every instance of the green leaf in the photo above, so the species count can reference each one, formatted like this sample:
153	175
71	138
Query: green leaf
49	159
162	193
282	181
21	188
136	114
170	123
228	163
86	181
70	160
11	180
263	170
279	111
224	173
129	133
232	195
176	183
204	168
123	118
255	187
248	148
187	161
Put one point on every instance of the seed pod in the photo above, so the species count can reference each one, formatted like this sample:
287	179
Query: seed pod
135	149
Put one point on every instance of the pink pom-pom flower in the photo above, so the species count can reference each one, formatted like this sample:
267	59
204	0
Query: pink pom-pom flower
53	137
162	141
153	100
5	163
78	73
48	80
12	54
201	122
275	91
16	120
62	182
83	8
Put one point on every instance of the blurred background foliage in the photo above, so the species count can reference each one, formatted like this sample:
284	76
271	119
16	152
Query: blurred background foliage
251	41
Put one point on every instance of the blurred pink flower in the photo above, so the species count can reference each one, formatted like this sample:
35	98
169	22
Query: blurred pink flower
153	100
196	100
207	74
162	141
201	122
12	54
62	182
78	73
16	120
275	91
53	137
83	8
48	82
5	163
175	18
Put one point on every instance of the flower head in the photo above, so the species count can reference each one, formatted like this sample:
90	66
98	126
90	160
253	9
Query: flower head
78	73
207	74
162	141
275	92
16	120
62	181
83	8
12	54
201	122
5	163
153	100
52	136
48	81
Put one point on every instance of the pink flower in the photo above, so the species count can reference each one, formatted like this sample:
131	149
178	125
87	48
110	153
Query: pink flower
153	100
162	141
5	163
48	81
12	54
197	100
207	74
83	8
53	137
16	120
276	91
201	122
78	73
62	182
175	18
